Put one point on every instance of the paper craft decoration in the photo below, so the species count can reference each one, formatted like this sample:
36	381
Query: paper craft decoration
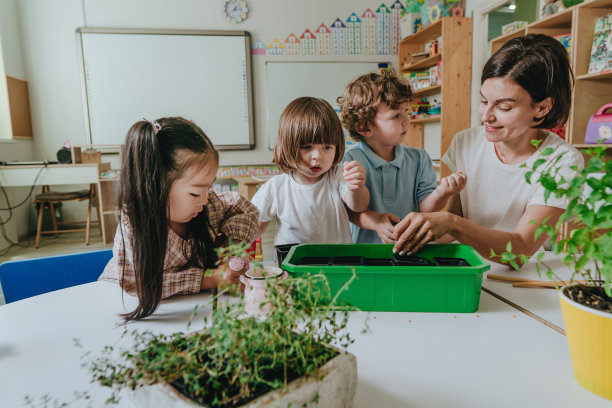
292	45
338	33
308	43
323	40
275	47
258	48
601	51
368	31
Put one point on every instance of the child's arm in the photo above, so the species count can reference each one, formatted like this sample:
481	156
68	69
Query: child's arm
232	215
261	228
450	185
383	224
357	197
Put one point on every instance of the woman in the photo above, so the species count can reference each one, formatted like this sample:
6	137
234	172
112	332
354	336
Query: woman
525	88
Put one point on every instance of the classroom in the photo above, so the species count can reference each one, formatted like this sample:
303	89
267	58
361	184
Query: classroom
275	203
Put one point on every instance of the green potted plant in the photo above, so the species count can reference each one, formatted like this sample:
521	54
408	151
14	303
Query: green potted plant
284	358
586	248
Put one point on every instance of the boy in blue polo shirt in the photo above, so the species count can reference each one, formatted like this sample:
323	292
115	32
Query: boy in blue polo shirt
401	179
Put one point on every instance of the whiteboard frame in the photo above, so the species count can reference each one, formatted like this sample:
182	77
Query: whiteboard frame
109	30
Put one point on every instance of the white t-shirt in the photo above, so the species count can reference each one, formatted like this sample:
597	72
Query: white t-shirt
497	194
311	213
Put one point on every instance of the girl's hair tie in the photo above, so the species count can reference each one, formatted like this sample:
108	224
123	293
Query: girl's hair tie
156	126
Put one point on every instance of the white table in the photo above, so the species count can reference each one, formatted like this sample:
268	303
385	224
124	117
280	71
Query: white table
497	357
540	301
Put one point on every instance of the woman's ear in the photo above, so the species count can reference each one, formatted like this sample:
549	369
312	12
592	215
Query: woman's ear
542	108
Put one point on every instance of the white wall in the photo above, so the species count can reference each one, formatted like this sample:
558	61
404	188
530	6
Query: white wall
12	58
42	50
50	53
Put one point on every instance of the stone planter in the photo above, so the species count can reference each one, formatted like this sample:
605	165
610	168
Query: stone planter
335	390
589	336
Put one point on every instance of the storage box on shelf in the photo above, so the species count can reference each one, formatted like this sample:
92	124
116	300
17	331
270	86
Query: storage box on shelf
591	91
455	59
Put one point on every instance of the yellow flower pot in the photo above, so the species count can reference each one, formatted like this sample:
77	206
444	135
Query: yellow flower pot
589	335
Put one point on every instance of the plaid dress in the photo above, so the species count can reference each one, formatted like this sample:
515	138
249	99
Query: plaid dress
228	213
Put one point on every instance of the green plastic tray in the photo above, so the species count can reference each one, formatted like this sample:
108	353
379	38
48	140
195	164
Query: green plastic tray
451	289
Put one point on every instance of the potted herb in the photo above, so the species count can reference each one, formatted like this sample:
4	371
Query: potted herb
587	250
239	360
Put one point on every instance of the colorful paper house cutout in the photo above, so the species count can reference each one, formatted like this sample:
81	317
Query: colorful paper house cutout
353	34
275	47
323	40
258	48
394	26
368	32
292	45
338	30
383	20
308	39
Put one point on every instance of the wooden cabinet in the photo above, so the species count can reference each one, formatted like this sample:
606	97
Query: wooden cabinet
19	107
456	78
591	91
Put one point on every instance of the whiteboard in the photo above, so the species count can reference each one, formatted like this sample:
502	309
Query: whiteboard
204	76
287	81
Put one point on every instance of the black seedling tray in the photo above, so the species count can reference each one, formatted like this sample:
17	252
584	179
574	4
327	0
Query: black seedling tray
443	261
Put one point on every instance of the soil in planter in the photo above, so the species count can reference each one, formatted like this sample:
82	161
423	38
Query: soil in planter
590	296
441	261
314	260
378	262
223	384
347	260
410	260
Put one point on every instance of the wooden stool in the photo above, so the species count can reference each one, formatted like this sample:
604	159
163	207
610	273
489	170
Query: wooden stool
48	197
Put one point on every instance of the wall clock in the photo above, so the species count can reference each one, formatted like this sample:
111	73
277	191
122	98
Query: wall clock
235	11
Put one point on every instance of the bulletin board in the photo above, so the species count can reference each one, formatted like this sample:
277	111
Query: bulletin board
204	76
289	80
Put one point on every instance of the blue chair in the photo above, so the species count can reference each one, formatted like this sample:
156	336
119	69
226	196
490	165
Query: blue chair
31	277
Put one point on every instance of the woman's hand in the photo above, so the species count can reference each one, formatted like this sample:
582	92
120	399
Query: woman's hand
354	174
417	229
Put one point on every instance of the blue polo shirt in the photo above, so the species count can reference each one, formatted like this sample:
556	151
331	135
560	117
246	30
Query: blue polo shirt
395	187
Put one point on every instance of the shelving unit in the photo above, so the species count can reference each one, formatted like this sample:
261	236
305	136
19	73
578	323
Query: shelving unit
456	78
591	91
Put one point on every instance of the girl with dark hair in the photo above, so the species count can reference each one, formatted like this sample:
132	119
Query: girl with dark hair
525	88
308	200
169	217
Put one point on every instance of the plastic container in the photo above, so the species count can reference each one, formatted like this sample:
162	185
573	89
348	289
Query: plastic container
282	251
394	288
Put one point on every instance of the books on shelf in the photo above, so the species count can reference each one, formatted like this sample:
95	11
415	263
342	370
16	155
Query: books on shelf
601	50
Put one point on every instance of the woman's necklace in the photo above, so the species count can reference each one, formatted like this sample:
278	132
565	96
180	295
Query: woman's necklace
501	155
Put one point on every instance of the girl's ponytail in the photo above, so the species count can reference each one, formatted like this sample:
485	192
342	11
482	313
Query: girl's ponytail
143	199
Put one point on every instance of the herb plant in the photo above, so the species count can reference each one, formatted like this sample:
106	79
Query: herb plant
587	248
236	358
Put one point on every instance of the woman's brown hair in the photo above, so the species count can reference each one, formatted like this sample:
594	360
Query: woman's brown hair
156	154
304	121
540	65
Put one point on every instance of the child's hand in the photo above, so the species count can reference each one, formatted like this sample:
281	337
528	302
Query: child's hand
452	184
354	174
385	226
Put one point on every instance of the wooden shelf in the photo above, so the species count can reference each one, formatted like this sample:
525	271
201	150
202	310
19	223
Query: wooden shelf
429	119
596	76
455	79
564	18
424	63
432	90
109	179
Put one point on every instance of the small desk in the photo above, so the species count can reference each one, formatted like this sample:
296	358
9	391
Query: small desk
496	357
57	174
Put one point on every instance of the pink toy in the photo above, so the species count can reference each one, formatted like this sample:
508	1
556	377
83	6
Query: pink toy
236	264
255	288
599	127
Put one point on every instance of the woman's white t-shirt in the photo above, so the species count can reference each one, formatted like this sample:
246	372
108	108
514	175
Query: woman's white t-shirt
312	213
497	194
